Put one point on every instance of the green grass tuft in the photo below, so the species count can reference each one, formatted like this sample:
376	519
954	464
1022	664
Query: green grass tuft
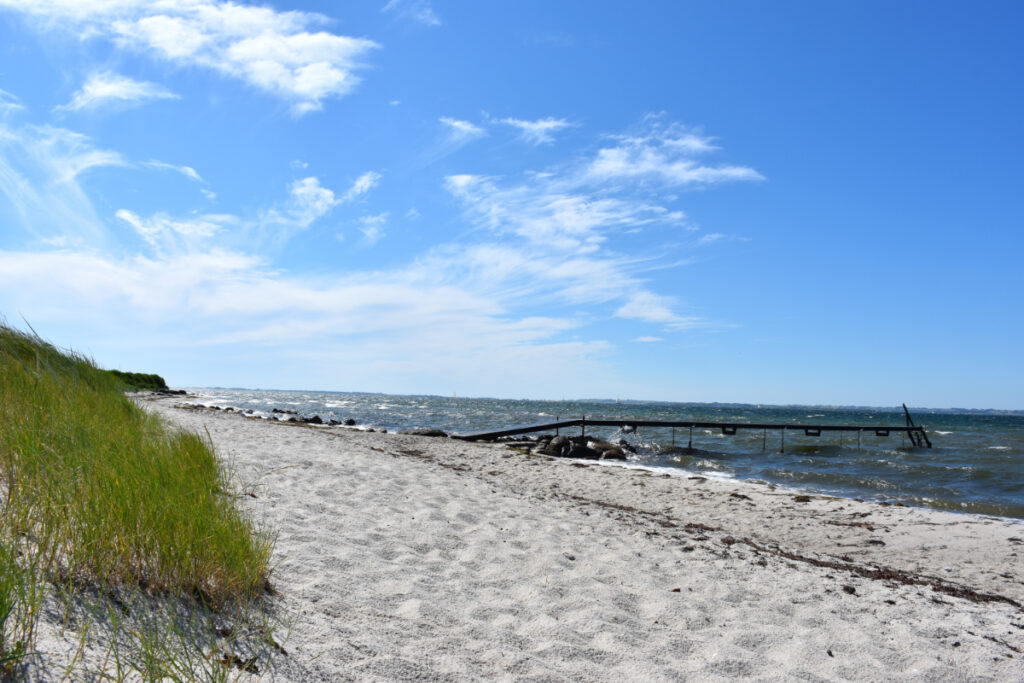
97	492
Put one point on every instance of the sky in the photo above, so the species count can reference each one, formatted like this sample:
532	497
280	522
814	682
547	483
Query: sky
776	203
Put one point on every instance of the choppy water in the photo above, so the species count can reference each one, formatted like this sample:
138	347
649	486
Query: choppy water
976	465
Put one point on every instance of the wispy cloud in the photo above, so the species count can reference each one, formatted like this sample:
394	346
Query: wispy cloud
547	211
9	102
39	179
186	171
461	311
539	132
417	11
652	308
285	54
462	132
107	88
666	153
566	217
372	228
648	340
162	230
310	200
421	326
361	186
68	153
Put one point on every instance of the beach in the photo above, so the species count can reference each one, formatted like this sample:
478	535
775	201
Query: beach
402	557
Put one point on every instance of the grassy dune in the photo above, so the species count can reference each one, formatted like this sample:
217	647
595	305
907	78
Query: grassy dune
96	493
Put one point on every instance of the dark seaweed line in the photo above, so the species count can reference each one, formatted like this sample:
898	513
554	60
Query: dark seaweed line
875	573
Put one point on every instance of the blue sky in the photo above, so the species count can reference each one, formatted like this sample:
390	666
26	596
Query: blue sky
695	201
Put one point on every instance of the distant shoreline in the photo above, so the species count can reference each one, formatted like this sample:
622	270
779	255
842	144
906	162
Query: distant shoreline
697	404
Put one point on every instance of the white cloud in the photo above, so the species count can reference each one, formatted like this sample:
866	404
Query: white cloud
106	88
160	228
372	227
667	154
310	201
380	331
186	171
418	11
462	132
648	340
281	53
9	102
547	211
69	153
709	238
39	178
557	227
362	185
537	132
653	308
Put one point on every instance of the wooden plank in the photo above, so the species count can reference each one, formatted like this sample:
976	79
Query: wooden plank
726	427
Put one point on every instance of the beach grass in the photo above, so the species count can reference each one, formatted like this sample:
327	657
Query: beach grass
100	494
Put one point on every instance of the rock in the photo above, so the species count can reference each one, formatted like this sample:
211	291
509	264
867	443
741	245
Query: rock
333	423
625	445
613	453
315	420
349	422
283	412
598	445
424	432
555	447
583	453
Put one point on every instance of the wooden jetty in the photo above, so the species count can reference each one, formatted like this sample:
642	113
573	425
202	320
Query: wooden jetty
917	435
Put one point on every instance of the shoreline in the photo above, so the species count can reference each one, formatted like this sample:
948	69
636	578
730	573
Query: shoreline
975	507
406	556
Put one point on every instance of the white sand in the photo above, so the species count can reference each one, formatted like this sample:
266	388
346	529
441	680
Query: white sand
414	558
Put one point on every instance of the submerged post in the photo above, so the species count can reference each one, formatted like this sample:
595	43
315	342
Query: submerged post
782	446
689	445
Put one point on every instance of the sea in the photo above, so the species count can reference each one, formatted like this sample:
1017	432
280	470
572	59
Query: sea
976	464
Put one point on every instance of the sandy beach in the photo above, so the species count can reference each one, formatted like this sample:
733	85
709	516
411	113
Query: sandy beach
412	558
